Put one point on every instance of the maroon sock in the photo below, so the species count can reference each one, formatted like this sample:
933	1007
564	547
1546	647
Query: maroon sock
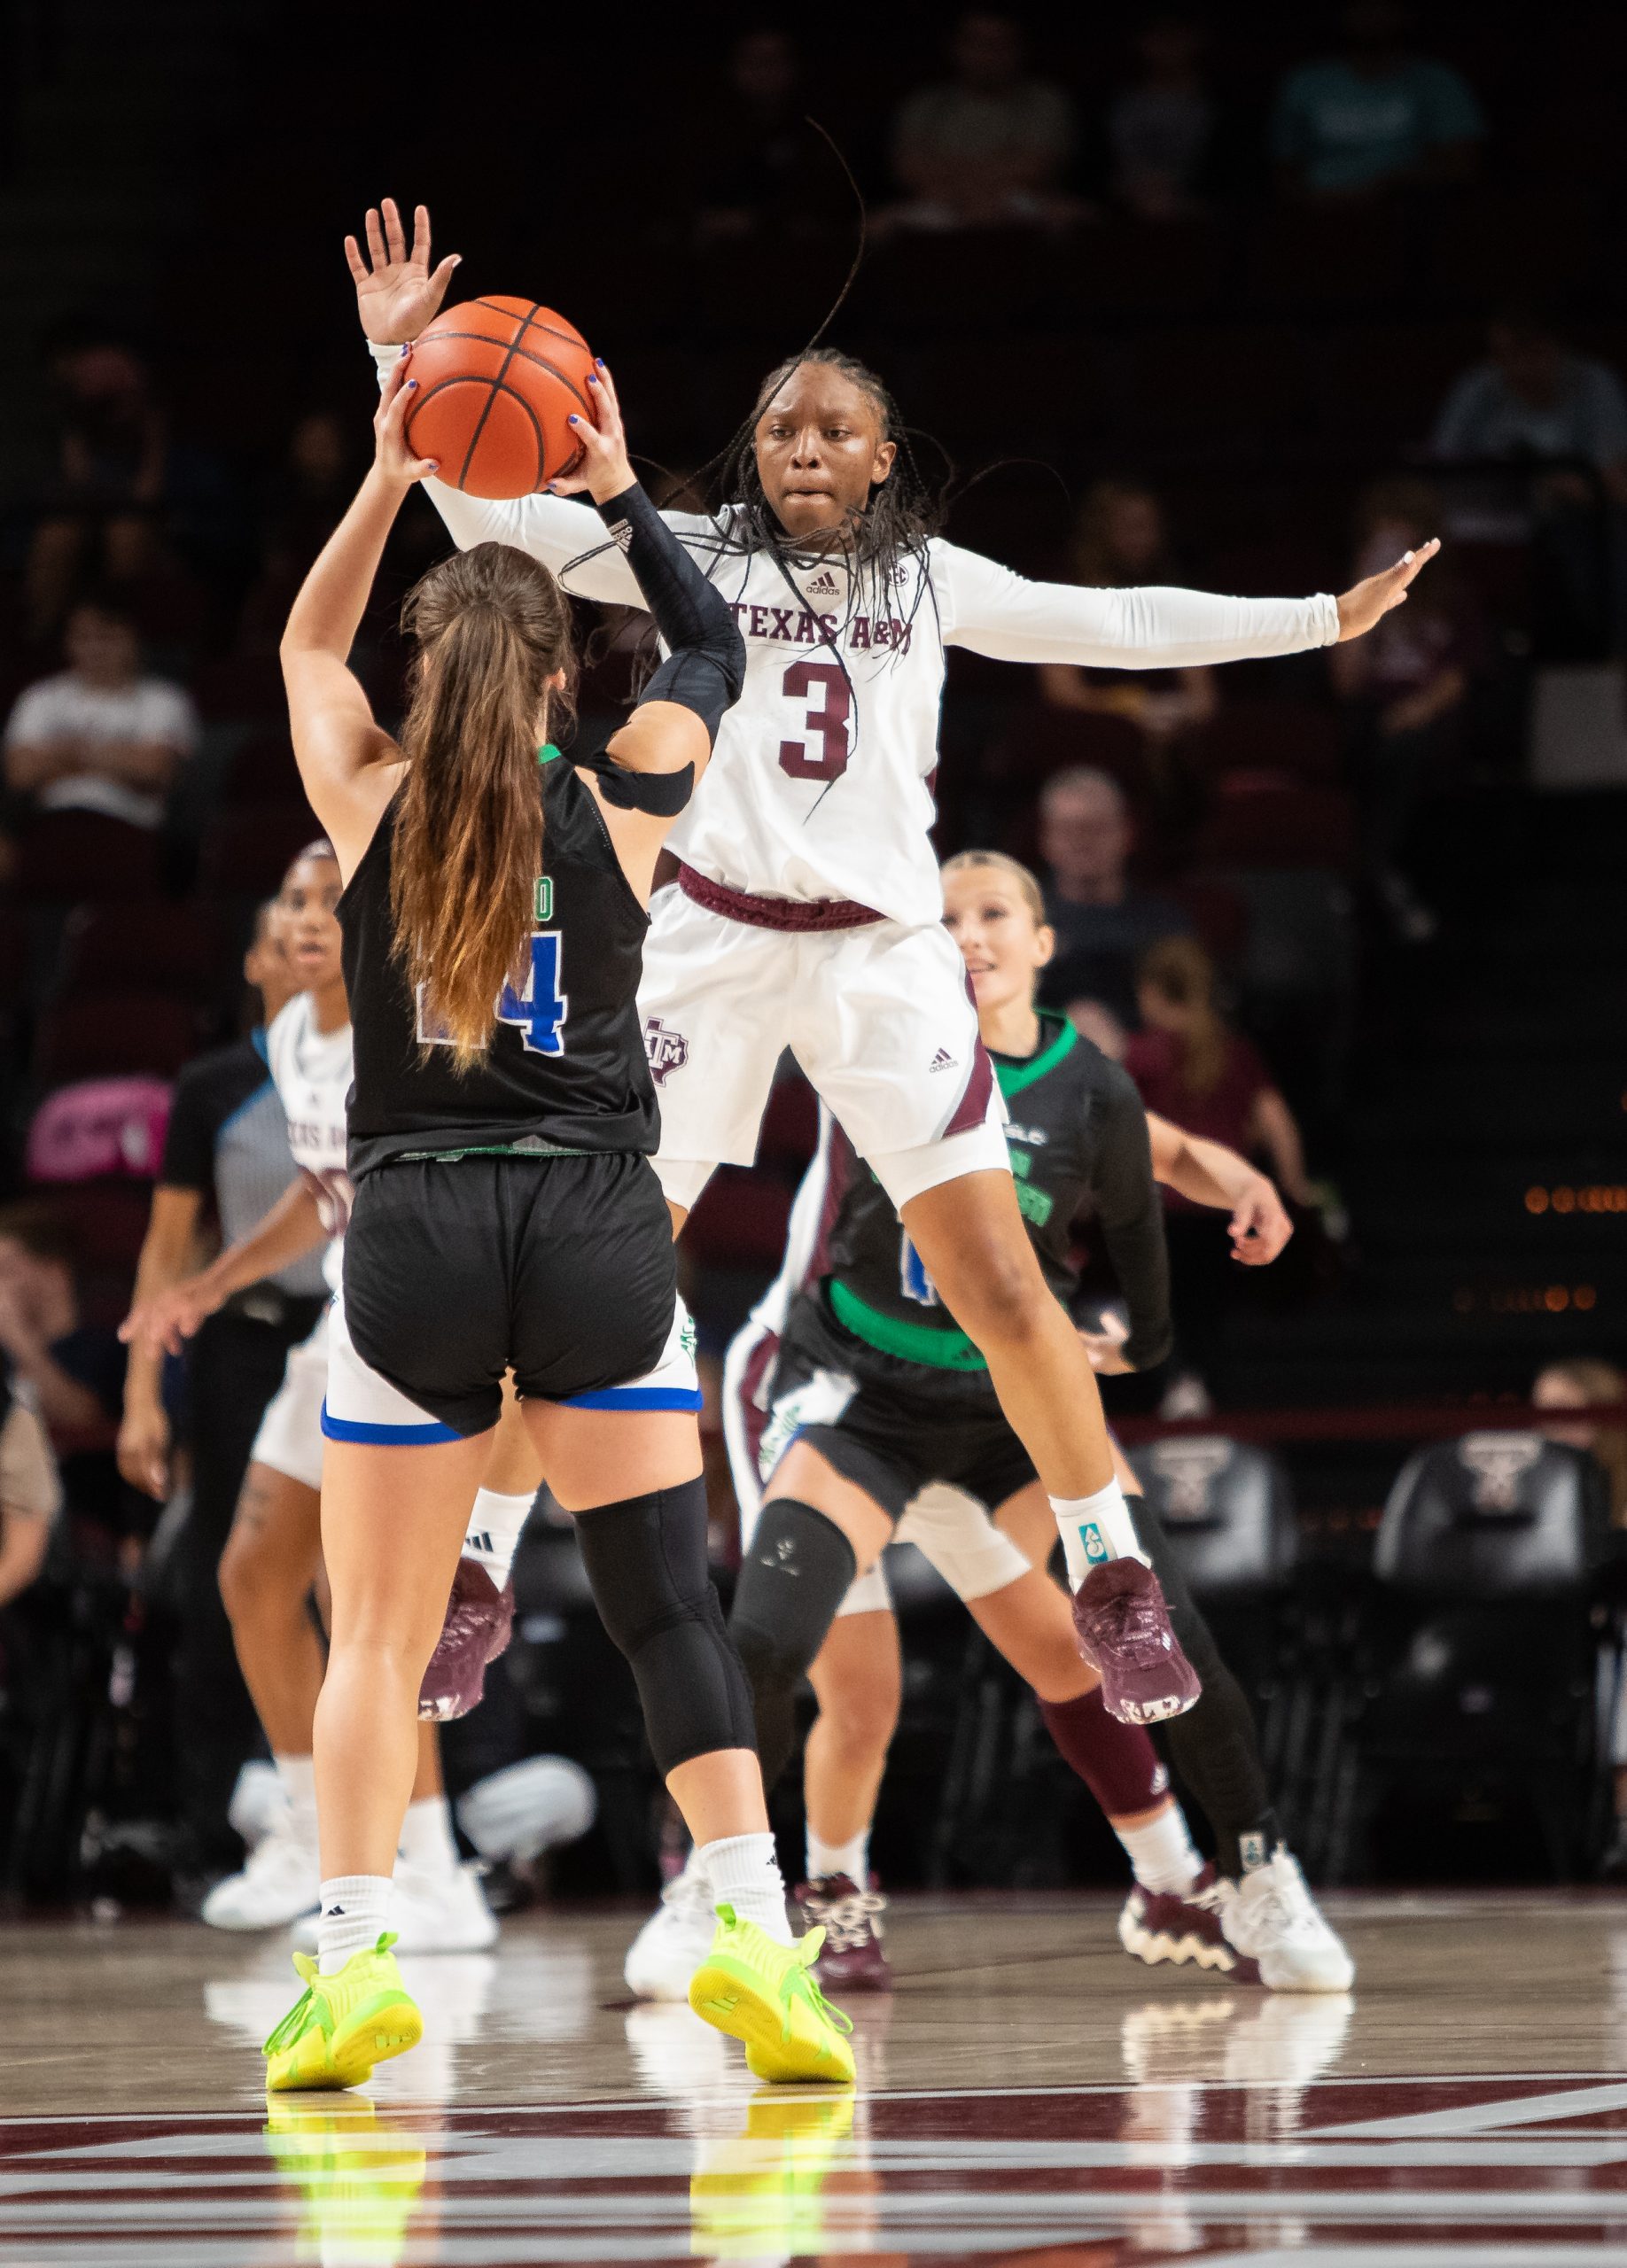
1117	1763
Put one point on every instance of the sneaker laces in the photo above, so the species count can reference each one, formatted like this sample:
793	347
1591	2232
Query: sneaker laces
1286	1907
848	1922
799	1982
1131	1623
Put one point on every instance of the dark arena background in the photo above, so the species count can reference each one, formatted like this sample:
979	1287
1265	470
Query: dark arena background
1248	299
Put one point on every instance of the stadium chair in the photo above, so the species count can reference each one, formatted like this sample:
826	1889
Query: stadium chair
1040	741
1291	740
1485	1677
123	1030
1258	820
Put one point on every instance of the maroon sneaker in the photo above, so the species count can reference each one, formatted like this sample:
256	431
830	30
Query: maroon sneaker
852	1958
479	1625
1184	1926
1123	1627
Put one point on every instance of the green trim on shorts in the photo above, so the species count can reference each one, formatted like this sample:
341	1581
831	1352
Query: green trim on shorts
942	1348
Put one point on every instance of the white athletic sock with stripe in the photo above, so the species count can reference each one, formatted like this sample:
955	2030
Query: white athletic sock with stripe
852	1859
1162	1853
744	1873
428	1842
298	1774
494	1534
1095	1529
356	1910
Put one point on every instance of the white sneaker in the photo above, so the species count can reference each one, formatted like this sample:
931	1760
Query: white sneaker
434	1913
1272	1918
675	1940
281	1881
259	1802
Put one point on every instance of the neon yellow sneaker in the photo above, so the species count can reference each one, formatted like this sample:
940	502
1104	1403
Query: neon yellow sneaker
360	2181
764	1994
341	2025
762	2191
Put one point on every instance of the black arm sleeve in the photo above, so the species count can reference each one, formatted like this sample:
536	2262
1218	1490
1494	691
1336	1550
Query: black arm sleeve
1132	1219
706	664
189	1138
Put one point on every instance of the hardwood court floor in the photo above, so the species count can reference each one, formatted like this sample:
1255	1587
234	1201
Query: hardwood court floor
1027	2094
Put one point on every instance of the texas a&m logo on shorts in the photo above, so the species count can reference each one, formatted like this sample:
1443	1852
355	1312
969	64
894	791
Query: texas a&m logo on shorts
667	1050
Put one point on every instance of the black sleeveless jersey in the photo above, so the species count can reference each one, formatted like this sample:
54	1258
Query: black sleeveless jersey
1076	1132
565	1069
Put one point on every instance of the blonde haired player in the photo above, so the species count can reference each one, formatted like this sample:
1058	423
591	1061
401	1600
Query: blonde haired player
806	913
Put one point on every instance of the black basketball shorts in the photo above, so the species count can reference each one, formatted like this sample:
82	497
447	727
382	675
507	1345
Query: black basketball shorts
560	1268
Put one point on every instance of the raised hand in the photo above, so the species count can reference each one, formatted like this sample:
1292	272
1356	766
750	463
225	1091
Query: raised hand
391	456
602	469
1371	599
396	292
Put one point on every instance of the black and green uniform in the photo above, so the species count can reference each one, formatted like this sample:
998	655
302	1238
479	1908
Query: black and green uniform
871	1368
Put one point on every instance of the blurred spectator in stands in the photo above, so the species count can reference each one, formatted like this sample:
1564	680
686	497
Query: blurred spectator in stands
1534	399
30	1491
1161	127
311	489
1586	1382
1103	923
102	736
107	477
1192	1068
1376	116
72	1369
1122	539
989	147
765	167
1404	689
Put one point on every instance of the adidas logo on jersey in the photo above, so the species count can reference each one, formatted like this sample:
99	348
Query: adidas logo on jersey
942	1062
824	586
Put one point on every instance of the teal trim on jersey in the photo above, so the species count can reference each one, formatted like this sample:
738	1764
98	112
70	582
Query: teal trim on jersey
942	1349
1015	1077
547	753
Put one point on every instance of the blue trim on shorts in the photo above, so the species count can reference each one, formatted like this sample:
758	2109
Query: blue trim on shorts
637	1397
401	1437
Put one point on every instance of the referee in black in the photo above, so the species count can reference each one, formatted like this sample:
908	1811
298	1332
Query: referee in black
226	1162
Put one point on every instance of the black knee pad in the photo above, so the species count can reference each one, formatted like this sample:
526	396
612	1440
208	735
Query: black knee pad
1186	1616
795	1574
646	1562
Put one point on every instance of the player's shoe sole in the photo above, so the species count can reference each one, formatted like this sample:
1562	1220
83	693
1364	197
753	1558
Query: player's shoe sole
763	1994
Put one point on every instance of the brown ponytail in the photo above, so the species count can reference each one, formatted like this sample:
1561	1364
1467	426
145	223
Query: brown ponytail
1180	972
493	627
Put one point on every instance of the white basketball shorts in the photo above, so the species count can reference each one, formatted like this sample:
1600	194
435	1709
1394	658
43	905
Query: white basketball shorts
879	1018
289	1436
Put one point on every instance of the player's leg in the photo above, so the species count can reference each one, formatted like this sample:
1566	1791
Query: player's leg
479	1617
646	1557
888	1035
1272	1920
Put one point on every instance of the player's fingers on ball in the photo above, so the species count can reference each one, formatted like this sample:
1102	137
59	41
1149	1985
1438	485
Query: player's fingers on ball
601	371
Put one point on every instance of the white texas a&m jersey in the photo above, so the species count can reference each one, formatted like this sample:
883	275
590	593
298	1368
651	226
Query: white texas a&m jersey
311	1071
819	786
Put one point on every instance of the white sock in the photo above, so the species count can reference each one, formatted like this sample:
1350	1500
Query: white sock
852	1858
1095	1529
427	1842
744	1874
494	1534
298	1774
356	1910
1162	1853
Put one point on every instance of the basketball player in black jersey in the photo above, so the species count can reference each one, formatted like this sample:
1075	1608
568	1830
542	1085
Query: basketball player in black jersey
876	1397
507	1216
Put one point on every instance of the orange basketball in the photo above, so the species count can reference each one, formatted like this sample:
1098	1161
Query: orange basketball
497	380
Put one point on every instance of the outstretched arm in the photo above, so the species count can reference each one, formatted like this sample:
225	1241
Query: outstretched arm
397	293
991	610
348	763
1208	1173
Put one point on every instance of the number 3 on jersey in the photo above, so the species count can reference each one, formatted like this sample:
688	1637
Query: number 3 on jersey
827	718
538	1008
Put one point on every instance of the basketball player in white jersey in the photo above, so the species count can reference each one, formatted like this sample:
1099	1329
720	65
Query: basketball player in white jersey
806	913
274	1551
